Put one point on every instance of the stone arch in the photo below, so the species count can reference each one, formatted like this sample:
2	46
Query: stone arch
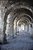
16	9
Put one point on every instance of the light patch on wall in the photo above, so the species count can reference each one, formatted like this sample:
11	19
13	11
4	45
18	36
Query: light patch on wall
22	27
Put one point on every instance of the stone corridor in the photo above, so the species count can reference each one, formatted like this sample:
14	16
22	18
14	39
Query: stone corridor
16	25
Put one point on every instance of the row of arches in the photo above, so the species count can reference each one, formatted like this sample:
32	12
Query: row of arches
13	15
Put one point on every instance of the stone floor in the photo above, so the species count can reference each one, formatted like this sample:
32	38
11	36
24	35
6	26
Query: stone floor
22	41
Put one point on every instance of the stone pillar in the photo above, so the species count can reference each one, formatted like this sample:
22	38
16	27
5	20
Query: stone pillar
31	28
24	27
32	31
12	29
2	13
15	27
27	28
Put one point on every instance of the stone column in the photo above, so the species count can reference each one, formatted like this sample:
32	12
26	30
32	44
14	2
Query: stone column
15	27
27	28
12	29
24	27
31	28
1	26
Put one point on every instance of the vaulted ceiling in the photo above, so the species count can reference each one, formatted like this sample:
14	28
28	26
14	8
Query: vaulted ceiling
8	2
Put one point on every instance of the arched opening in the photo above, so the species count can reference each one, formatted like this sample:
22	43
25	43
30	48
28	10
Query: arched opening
21	24
15	13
